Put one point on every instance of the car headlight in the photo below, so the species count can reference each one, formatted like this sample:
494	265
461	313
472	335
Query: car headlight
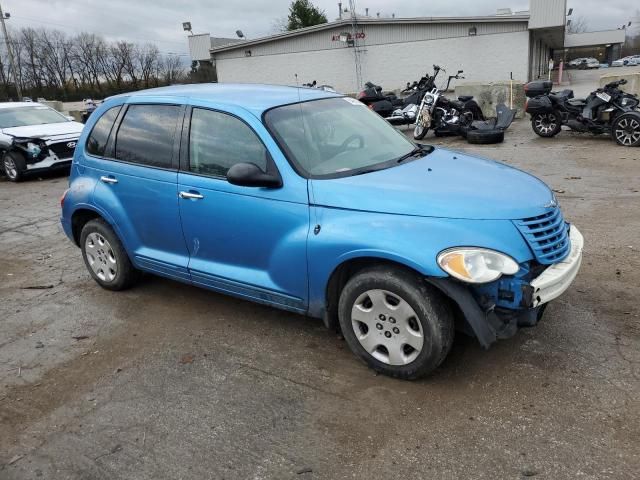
476	265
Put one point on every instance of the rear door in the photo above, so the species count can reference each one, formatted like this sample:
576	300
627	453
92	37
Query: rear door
137	173
247	241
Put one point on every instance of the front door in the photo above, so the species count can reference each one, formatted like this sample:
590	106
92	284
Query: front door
246	241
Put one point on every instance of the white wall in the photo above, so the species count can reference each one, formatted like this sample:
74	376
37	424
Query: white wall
482	57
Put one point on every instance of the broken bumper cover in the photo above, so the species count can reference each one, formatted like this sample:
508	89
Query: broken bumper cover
556	279
489	323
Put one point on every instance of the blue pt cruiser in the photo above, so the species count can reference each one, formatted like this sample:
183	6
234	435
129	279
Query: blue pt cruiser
307	201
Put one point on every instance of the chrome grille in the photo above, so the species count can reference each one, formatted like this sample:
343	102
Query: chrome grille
547	235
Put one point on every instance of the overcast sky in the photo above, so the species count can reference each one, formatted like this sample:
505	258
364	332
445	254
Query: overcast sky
159	21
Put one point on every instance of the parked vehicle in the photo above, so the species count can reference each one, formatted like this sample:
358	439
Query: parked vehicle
34	137
385	104
629	60
89	107
307	201
584	63
606	110
462	116
314	84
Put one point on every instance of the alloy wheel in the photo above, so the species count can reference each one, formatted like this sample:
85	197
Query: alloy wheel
387	327
628	131
101	257
10	168
546	123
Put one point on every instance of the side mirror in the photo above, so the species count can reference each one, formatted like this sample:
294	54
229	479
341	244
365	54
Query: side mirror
250	175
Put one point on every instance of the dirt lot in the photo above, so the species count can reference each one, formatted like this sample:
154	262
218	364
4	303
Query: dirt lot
169	381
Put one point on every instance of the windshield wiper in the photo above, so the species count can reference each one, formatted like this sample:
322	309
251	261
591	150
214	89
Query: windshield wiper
418	149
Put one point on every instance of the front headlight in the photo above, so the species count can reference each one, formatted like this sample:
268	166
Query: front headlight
476	265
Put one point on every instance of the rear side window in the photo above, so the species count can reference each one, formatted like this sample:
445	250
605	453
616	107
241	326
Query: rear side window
147	134
218	141
97	142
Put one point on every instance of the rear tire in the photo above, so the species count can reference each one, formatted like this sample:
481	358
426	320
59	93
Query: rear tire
625	129
546	124
14	166
105	257
485	137
396	323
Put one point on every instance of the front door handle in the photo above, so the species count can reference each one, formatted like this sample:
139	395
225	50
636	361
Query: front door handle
106	179
191	195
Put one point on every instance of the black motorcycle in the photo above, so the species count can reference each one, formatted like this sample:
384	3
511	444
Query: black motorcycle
606	110
404	111
384	104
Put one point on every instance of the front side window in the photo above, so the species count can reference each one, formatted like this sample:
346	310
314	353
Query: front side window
217	141
336	137
147	135
97	141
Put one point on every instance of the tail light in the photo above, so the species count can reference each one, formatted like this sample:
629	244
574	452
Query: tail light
63	197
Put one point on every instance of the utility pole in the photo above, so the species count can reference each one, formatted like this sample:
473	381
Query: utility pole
11	62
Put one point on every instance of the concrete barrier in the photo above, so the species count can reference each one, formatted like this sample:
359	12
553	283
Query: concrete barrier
633	81
488	95
76	114
55	104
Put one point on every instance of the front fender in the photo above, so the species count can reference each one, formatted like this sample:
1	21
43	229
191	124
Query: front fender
412	241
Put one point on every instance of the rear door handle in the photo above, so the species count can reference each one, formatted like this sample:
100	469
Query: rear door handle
191	195
106	179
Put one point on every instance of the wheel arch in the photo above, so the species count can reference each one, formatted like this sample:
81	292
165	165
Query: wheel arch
84	214
350	267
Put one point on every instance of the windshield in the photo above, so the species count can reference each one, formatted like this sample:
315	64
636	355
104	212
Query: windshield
336	137
32	115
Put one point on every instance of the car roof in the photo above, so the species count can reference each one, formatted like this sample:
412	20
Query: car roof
20	104
253	97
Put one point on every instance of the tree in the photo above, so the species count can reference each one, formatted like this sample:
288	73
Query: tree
578	25
303	13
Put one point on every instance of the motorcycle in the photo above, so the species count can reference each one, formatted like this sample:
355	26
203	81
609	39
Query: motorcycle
404	111
605	110
384	104
443	115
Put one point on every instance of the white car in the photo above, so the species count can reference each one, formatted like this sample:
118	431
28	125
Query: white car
625	61
35	137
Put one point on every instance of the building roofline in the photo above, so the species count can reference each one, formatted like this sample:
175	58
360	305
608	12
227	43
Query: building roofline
373	21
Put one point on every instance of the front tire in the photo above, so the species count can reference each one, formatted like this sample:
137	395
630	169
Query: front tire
14	166
546	124
625	129
419	132
395	322
105	257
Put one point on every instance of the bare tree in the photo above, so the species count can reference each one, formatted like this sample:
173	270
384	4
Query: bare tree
578	25
52	63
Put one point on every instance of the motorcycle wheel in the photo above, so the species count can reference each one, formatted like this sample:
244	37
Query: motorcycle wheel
625	129
419	132
546	124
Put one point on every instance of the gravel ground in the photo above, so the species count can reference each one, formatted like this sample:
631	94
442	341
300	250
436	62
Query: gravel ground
169	381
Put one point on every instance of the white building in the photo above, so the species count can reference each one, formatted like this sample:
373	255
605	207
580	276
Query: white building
392	51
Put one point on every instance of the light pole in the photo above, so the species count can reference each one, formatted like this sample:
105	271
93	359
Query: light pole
6	41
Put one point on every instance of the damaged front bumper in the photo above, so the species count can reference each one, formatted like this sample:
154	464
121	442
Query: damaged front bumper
496	310
44	154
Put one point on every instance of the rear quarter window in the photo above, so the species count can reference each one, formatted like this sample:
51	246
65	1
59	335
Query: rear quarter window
97	141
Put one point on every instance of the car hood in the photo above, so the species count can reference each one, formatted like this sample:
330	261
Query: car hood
45	130
441	184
